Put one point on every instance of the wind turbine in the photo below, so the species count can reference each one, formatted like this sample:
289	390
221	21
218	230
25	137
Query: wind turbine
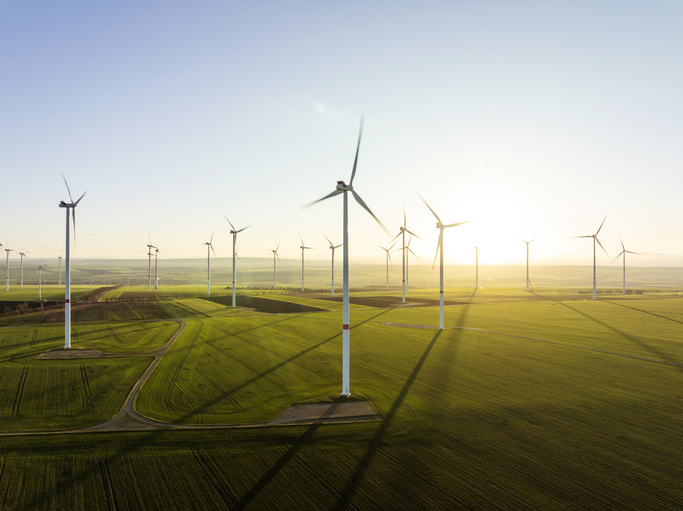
303	247
21	274
7	251
624	252
343	188
156	266
402	232
60	269
67	281
388	260
332	248
476	268
40	281
528	282
409	251
149	263
439	250
595	239
209	249
234	232
274	262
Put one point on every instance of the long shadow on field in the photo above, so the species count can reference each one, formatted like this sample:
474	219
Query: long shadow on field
279	465
42	500
376	441
644	311
626	336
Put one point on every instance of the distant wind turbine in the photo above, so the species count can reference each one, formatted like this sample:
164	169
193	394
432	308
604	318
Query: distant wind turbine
234	232
149	263
402	232
332	248
40	281
156	265
408	252
439	251
209	249
476	268
7	251
388	260
275	255
623	253
303	247
343	188
528	282
595	239
21	274
69	206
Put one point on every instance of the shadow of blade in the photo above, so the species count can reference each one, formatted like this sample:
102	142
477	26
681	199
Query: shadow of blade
644	311
376	441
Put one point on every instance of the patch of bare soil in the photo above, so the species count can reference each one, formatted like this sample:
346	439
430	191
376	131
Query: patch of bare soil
345	411
63	354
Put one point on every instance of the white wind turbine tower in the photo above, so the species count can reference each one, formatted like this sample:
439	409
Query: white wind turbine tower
7	251
388	260
209	249
595	239
40	281
343	188
149	263
60	269
303	247
234	232
156	265
408	252
67	264
528	282
476	268
21	274
439	250
623	253
402	232
275	255
332	248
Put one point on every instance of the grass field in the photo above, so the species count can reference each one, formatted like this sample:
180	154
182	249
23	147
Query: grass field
544	401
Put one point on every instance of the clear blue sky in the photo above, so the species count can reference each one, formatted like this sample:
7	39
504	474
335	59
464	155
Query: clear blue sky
526	118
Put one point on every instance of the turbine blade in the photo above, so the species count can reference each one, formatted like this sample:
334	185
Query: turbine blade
404	215
622	243
243	228
635	253
212	250
79	200
355	161
603	248
430	209
618	256
340	245
302	240
535	239
232	226
278	246
438	246
411	251
67	189
336	192
589	236
525	241
211	240
328	240
457	224
413	234
365	206
603	223
395	237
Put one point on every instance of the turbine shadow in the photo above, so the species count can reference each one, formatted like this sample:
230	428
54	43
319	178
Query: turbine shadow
644	312
376	441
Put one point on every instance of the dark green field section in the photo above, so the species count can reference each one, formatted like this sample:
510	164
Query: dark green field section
38	394
387	301
264	304
517	404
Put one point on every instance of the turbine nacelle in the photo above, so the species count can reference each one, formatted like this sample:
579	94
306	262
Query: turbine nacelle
342	186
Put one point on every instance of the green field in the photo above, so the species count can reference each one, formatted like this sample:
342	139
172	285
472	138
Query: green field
545	401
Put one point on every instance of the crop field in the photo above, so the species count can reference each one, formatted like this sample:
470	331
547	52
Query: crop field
545	401
40	394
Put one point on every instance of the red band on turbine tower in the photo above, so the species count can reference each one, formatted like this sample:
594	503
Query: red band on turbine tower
67	301
345	327
440	292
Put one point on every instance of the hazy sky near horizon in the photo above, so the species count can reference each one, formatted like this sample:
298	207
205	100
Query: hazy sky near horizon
526	118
